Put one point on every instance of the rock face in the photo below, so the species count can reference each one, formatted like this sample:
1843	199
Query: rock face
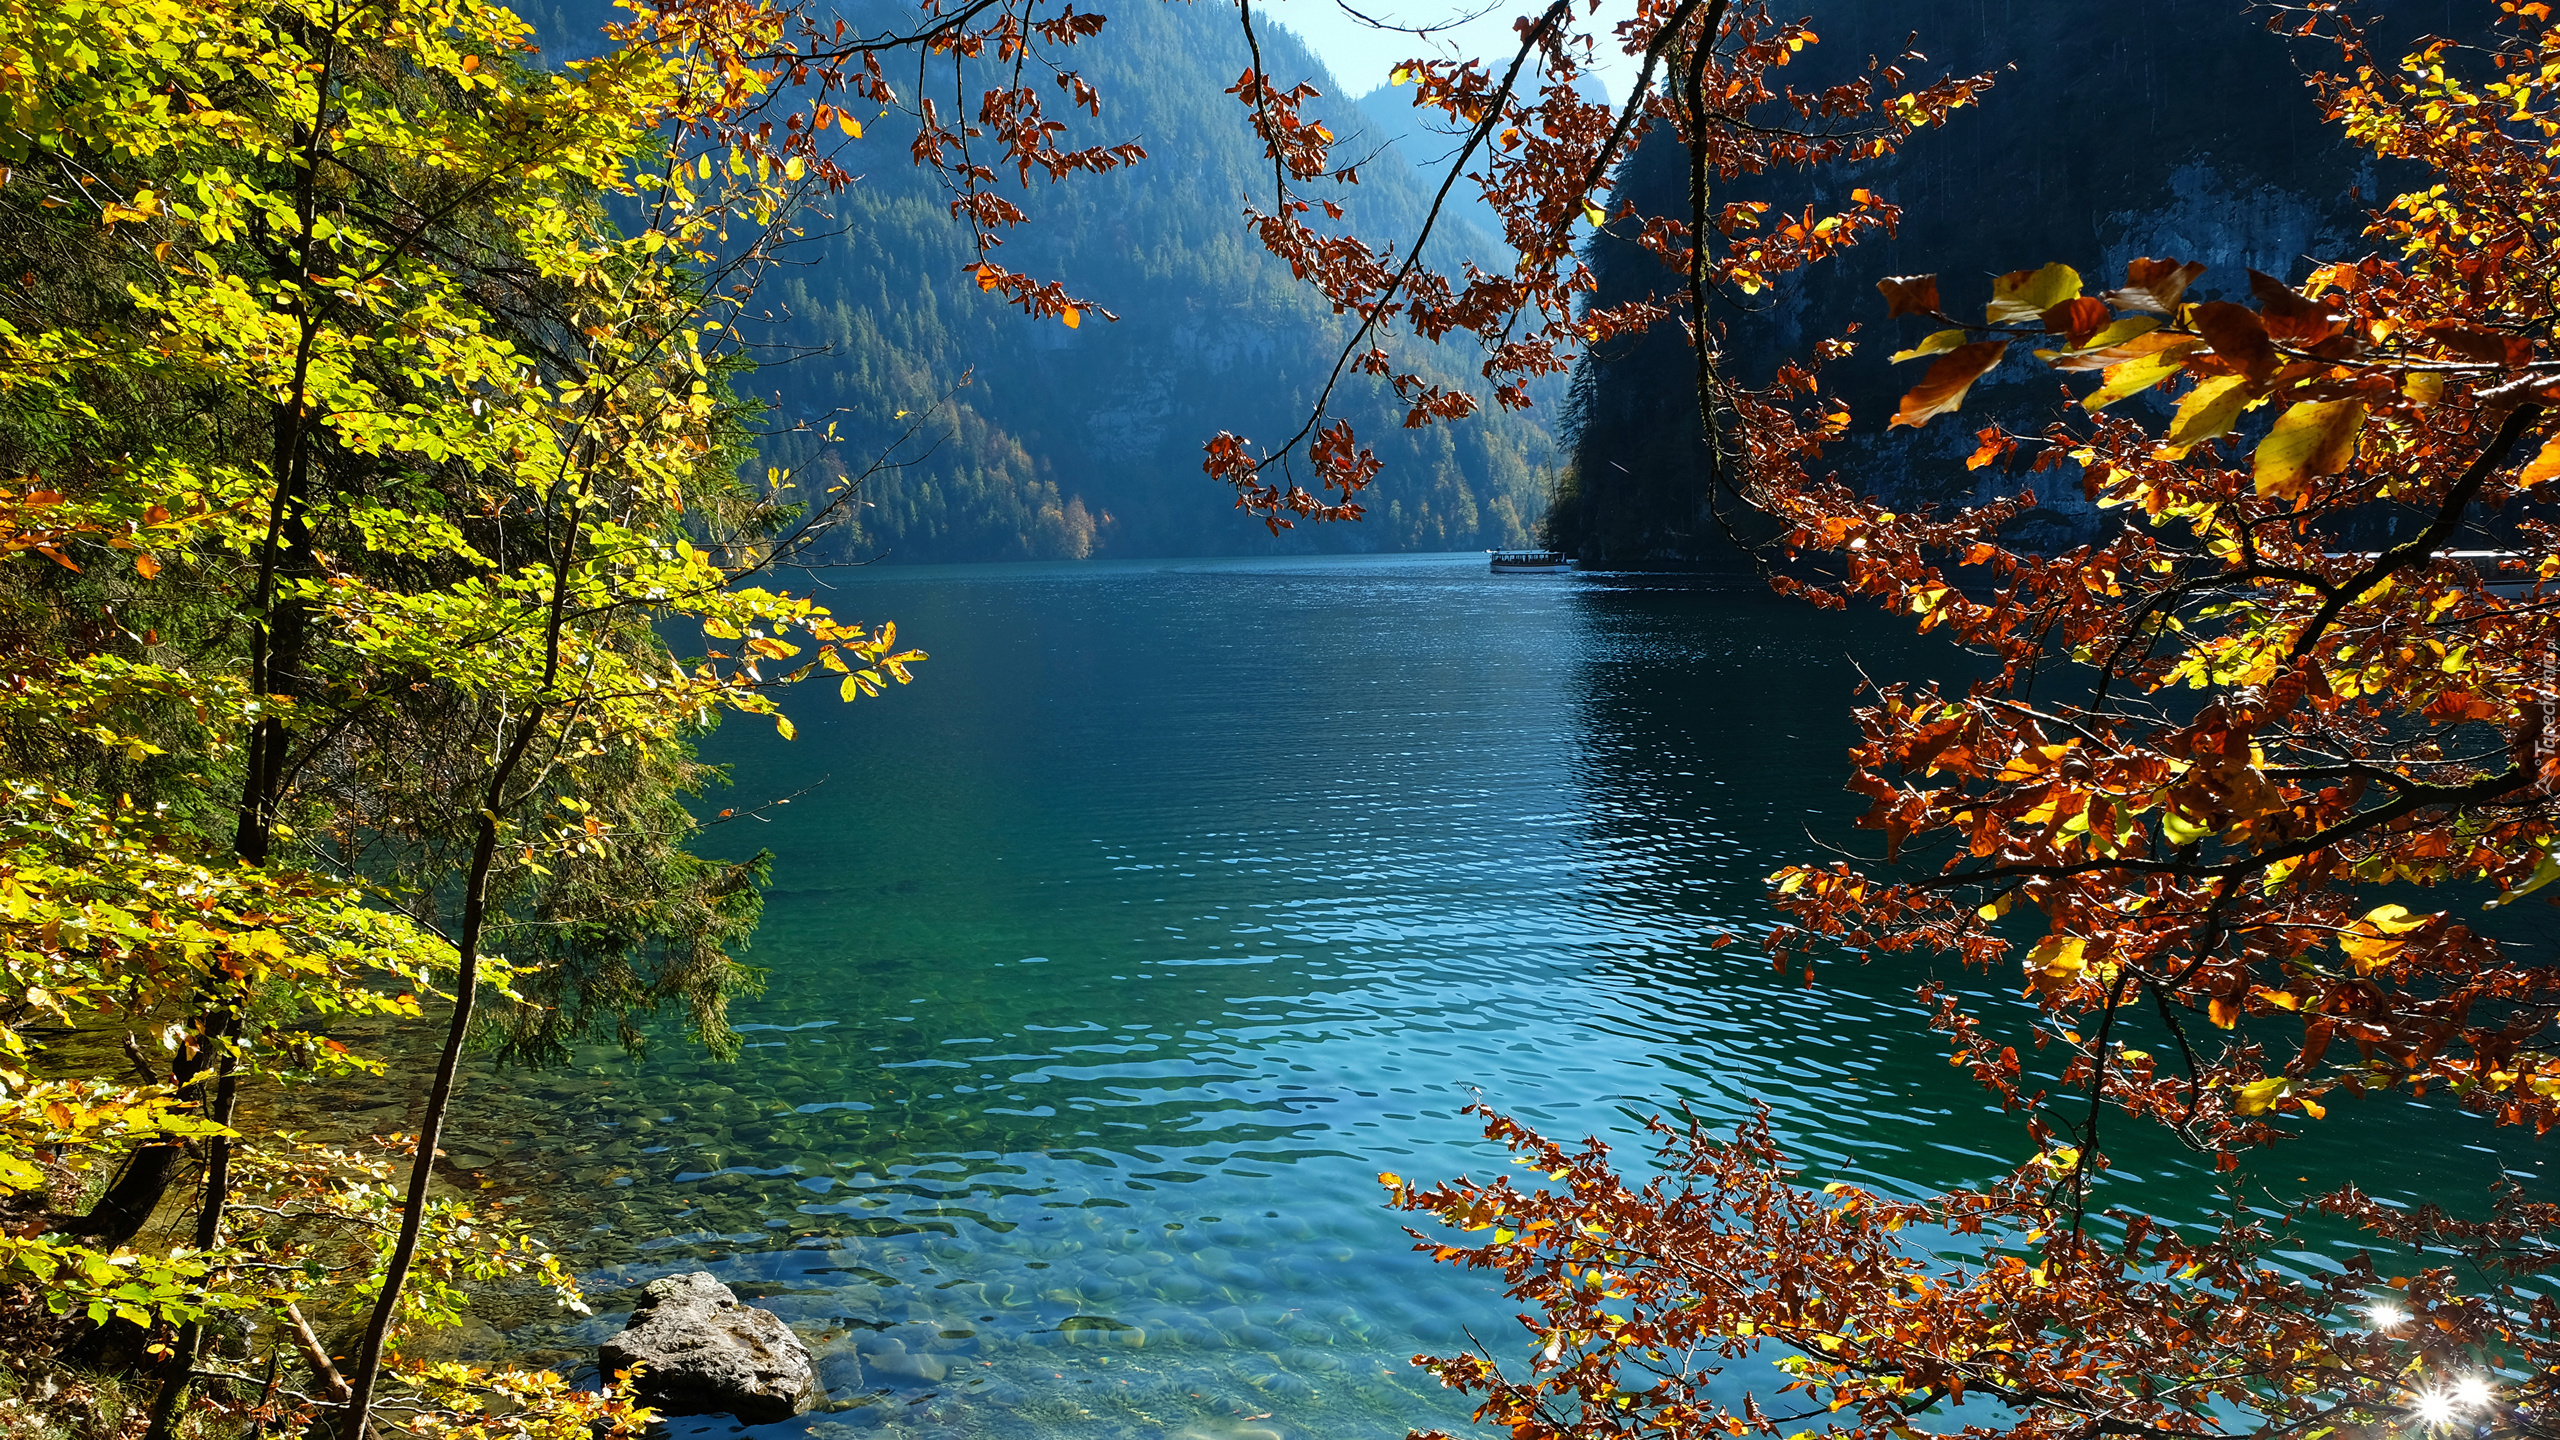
707	1353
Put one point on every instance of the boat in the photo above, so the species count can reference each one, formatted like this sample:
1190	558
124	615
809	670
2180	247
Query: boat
1506	561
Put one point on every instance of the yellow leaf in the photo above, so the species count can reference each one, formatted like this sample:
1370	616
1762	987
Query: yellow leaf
2132	377
2055	961
1071	317
1936	344
2316	437
2026	294
2373	943
2254	1097
2206	413
2180	830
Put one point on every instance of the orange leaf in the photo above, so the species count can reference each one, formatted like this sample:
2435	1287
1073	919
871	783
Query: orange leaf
2154	284
146	564
1942	389
2545	464
2077	319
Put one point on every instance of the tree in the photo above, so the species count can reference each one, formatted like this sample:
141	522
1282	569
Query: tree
2261	775
490	451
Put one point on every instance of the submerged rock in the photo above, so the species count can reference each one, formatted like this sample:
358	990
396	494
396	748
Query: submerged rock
707	1353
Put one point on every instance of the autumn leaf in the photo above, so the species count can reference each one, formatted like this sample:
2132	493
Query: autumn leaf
2077	319
2207	413
2374	941
2238	337
2544	465
2258	1096
2480	346
2131	377
1936	343
2154	285
2027	294
1943	388
2291	317
2315	437
2127	339
1909	295
2118	342
2056	960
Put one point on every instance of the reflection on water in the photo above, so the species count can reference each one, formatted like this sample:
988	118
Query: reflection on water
1116	956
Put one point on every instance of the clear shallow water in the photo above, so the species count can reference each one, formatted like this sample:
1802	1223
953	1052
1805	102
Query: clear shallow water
1114	957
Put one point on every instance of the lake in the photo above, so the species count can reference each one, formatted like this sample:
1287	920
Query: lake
1112	959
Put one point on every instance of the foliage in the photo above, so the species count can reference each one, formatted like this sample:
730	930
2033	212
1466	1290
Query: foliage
2246	777
388	459
1544	151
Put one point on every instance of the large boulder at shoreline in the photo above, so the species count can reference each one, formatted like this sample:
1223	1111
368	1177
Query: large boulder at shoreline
708	1353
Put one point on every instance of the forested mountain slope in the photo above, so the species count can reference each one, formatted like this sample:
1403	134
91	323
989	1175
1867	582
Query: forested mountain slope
1068	443
2093	150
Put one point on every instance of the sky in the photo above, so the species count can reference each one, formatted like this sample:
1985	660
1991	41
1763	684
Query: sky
1360	56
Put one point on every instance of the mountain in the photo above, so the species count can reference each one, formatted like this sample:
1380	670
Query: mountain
1070	443
2178	128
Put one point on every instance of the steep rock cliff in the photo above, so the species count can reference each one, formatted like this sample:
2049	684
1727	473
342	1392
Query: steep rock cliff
2179	128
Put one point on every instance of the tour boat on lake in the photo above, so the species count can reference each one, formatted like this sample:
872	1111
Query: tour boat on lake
1526	560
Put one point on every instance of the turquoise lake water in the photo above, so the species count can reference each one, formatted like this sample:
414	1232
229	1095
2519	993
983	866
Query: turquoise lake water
1114	957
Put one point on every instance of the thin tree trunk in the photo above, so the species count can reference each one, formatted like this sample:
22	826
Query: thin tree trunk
278	649
466	984
357	1414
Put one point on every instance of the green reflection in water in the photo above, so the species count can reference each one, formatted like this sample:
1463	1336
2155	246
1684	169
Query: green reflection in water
1115	957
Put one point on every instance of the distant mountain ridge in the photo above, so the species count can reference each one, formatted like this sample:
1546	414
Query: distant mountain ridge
1072	443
